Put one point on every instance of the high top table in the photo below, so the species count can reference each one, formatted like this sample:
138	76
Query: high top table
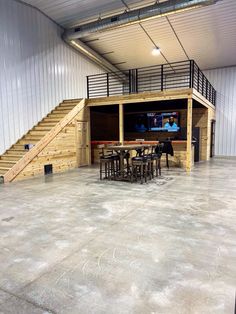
123	149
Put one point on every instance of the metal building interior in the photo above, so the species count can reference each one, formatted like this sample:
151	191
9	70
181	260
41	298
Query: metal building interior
117	156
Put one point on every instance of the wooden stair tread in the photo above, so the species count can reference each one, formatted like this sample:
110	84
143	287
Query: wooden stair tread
6	162
42	128
8	156
50	120
16	149
56	115
31	140
63	108
38	132
46	124
69	101
12	155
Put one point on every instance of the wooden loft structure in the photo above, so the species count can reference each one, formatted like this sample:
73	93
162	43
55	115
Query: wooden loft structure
188	94
175	81
62	140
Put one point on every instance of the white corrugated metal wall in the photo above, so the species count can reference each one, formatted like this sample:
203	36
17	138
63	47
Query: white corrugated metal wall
224	81
38	70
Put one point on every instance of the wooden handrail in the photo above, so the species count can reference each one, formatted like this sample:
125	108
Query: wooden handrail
34	151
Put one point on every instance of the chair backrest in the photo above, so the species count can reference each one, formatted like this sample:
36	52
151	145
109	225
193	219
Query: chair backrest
159	149
101	147
147	150
111	151
139	152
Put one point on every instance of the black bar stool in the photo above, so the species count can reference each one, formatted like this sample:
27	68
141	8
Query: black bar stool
158	152
107	164
139	169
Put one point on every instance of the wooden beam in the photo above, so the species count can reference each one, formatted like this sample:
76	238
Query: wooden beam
121	124
189	135
202	100
29	156
141	97
89	137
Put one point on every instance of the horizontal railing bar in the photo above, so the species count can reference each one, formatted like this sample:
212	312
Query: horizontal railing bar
148	73
176	82
148	83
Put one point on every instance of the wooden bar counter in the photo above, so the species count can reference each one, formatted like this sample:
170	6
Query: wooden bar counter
179	146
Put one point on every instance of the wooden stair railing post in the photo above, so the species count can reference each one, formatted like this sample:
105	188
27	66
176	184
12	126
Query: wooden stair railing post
33	152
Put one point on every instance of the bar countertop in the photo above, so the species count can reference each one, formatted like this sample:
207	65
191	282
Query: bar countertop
136	142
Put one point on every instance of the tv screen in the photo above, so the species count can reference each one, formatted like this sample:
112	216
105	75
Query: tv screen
166	121
152	121
136	123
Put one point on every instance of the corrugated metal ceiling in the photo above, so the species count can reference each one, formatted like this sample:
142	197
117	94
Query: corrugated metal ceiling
69	13
208	34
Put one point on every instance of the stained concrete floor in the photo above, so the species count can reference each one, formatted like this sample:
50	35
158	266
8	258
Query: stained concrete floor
72	244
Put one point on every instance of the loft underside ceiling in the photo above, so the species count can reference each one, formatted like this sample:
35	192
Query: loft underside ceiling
207	35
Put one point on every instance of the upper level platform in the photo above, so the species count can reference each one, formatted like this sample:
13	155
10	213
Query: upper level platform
176	80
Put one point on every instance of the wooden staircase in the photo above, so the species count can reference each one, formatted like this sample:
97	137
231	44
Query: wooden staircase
14	154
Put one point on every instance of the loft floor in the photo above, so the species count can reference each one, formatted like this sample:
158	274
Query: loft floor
73	244
172	94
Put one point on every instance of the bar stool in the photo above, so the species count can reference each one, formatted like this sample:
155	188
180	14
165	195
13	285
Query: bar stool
108	169
150	159
116	159
107	164
126	158
139	169
154	162
158	152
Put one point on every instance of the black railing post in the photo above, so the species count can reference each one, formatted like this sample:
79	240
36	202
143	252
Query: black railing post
207	89
129	81
162	77
198	70
191	72
136	80
87	86
108	85
193	65
202	84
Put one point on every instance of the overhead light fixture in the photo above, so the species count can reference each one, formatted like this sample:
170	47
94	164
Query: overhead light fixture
156	51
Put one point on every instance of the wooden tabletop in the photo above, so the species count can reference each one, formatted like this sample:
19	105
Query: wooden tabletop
128	147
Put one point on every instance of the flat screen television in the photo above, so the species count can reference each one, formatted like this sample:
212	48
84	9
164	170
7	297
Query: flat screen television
151	121
166	121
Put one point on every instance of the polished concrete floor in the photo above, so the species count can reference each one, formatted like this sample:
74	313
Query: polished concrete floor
72	244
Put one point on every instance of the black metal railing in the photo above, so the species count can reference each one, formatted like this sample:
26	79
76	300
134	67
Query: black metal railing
176	75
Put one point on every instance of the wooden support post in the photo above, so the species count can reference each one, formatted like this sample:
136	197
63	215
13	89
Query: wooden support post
121	124
189	135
